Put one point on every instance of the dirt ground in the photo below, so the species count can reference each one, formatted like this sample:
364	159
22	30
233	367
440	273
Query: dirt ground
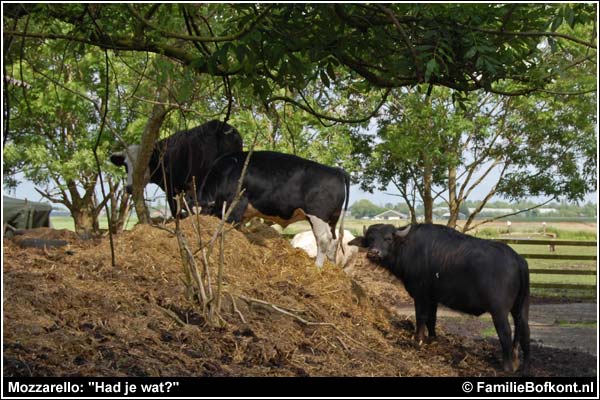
69	312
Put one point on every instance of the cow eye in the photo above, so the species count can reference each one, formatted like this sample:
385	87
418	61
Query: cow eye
388	239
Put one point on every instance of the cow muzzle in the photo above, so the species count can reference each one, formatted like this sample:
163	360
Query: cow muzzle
374	254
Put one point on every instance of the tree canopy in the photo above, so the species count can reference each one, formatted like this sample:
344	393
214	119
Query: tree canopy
270	46
305	78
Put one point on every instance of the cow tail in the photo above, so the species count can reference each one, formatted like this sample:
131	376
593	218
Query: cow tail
522	300
341	232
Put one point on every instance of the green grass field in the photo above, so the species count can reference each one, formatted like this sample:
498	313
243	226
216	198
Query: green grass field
67	223
563	230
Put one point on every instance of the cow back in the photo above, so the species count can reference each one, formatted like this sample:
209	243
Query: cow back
458	270
191	153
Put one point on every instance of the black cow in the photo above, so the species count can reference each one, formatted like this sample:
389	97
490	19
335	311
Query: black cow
437	264
182	156
282	188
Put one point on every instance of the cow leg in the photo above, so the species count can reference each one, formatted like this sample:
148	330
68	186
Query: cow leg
504	334
422	318
172	205
323	238
332	225
521	337
237	215
431	321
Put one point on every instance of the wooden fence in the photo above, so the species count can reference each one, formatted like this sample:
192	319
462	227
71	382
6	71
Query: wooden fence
553	243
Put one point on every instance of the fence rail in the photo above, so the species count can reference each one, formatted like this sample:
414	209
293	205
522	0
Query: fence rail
578	257
553	243
550	242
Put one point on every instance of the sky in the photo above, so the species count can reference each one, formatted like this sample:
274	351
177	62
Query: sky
26	190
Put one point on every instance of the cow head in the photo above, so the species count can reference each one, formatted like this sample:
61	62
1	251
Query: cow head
128	159
379	239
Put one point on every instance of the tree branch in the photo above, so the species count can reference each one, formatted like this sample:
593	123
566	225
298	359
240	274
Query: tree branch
406	40
534	34
506	215
309	109
53	199
211	39
118	43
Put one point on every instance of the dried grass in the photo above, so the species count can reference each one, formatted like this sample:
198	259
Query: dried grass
70	313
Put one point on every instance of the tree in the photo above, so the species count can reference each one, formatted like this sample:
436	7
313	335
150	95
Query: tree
270	46
537	145
53	132
402	155
365	208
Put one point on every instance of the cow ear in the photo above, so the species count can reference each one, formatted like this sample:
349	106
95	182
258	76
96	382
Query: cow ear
358	241
118	159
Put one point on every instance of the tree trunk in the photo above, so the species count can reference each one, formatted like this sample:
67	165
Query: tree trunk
410	204
413	213
119	206
428	168
427	185
453	202
83	209
86	222
149	138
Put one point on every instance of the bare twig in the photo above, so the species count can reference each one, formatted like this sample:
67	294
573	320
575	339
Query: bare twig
95	151
221	263
298	318
202	249
235	309
343	344
171	314
194	38
189	263
508	215
266	303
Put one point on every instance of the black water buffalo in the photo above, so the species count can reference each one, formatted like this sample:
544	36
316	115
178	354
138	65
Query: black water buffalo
282	188
440	265
182	156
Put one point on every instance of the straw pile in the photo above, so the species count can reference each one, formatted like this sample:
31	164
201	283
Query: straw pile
69	312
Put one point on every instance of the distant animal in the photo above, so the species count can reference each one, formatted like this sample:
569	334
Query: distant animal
437	264
282	188
176	160
345	254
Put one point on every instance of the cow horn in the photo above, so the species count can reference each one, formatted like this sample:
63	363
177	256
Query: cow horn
403	233
364	230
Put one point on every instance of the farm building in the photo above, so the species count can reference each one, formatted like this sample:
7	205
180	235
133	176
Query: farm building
390	215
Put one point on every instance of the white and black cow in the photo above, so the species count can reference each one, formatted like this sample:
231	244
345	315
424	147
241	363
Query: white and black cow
282	188
182	156
344	256
437	264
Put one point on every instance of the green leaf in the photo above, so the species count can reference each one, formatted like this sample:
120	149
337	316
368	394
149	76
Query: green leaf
240	52
569	16
556	23
324	78
330	71
471	52
430	68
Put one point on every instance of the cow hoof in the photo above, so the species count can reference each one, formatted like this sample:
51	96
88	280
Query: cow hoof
507	366
525	370
432	340
515	364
